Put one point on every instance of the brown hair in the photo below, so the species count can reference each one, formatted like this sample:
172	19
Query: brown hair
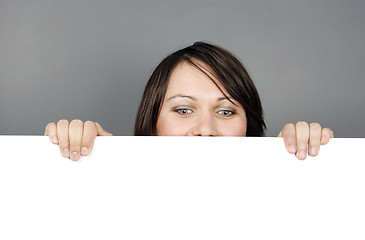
226	68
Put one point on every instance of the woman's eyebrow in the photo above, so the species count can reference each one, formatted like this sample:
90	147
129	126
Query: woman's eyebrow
224	98
231	99
182	96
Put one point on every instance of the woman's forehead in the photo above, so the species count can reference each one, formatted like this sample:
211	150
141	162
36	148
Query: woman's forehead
197	78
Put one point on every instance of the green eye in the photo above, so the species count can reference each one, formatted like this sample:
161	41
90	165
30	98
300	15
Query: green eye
226	113
184	111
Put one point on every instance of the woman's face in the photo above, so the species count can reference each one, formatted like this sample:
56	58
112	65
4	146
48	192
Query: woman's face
195	106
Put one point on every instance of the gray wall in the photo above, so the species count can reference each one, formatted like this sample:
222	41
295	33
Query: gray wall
90	59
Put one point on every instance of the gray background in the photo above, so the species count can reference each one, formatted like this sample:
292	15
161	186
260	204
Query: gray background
90	59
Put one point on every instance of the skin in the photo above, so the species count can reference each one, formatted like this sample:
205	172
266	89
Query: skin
74	138
297	138
193	106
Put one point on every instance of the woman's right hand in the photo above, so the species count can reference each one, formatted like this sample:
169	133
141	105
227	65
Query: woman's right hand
75	138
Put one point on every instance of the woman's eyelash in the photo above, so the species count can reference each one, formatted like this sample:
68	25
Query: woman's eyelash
183	110
226	112
187	110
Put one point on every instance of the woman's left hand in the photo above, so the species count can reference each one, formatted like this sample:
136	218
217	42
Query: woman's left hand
298	137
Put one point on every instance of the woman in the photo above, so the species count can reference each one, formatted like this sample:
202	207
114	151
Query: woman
201	90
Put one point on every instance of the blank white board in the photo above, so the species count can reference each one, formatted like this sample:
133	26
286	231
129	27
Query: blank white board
181	188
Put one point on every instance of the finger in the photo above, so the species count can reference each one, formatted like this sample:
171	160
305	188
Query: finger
302	132
88	138
62	133
327	134
51	132
101	131
290	140
75	132
315	134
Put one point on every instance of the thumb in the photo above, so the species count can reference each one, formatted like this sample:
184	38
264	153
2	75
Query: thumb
101	131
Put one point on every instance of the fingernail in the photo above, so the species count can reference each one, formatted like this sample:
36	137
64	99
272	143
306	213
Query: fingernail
301	155
292	149
74	156
54	139
313	151
84	151
66	152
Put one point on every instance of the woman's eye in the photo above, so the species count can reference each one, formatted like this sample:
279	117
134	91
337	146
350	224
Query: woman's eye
225	113
183	111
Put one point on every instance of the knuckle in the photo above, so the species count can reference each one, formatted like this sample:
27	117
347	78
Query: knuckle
288	130
74	145
50	124
76	122
87	143
302	149
63	143
288	126
315	126
301	124
63	122
328	130
302	145
89	124
49	127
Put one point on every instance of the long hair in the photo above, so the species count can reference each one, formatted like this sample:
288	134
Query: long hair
224	66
